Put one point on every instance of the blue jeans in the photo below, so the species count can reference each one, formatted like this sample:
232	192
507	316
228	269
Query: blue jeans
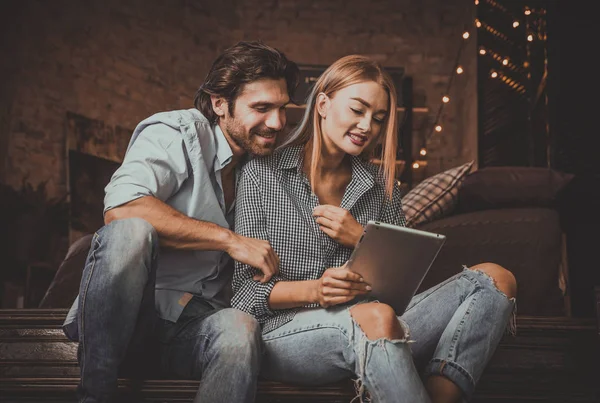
119	331
454	330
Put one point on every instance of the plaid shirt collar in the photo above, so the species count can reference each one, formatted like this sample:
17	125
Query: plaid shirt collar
363	177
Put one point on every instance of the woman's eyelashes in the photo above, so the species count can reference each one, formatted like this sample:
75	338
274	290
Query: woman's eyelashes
359	112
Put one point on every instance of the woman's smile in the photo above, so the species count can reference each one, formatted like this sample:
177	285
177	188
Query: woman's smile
358	139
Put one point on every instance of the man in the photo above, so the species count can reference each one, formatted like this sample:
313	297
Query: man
176	187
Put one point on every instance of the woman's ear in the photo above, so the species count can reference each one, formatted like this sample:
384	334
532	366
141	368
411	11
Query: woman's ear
323	103
219	105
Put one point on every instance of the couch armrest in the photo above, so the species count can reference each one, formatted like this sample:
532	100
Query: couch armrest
526	241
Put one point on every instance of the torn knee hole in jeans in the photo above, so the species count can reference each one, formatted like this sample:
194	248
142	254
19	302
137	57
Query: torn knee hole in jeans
405	333
362	347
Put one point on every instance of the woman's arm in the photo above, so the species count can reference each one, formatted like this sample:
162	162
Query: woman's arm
292	294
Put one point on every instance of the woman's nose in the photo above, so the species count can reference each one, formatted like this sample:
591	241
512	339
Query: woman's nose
365	125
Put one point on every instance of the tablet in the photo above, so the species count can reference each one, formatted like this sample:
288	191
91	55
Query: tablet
394	261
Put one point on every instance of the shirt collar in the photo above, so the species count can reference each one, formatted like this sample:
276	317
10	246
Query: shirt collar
293	157
224	153
361	171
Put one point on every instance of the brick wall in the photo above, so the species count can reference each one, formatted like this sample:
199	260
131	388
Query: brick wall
120	61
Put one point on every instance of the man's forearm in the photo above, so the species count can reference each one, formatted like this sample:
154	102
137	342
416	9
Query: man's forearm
292	294
175	230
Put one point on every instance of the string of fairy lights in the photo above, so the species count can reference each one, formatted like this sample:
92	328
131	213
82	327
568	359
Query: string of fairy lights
503	72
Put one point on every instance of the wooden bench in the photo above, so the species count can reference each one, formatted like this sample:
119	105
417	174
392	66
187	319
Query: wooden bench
549	360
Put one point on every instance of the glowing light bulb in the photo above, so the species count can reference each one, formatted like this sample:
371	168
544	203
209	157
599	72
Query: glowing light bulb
476	2
477	23
446	99
438	128
515	24
505	62
423	151
466	35
527	11
494	74
415	165
482	51
530	38
459	70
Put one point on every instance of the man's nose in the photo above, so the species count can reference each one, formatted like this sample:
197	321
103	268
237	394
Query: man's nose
276	119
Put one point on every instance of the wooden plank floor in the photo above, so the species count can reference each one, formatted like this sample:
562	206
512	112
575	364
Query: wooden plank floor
549	360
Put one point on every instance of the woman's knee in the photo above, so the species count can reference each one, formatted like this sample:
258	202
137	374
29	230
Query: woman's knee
504	280
377	321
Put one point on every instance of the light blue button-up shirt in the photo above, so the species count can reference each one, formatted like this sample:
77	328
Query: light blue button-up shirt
178	157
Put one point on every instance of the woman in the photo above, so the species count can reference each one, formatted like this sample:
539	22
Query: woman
311	199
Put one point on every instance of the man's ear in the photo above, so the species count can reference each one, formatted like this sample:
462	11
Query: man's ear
323	102
219	105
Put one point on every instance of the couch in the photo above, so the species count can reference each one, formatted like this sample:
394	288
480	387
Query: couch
510	216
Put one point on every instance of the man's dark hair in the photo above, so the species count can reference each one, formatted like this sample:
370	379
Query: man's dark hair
240	64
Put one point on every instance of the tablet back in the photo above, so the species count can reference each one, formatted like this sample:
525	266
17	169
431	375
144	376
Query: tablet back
394	261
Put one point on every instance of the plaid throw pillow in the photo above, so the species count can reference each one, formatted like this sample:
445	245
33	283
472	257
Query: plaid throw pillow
435	196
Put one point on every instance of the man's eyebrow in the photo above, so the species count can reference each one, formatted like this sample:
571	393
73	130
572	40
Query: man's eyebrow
266	104
368	105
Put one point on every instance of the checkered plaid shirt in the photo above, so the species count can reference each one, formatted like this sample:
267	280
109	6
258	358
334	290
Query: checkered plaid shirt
275	203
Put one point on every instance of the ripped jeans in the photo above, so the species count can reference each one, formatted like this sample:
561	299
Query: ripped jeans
454	326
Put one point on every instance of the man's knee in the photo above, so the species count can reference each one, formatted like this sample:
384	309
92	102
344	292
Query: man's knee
136	232
504	280
239	335
128	246
377	321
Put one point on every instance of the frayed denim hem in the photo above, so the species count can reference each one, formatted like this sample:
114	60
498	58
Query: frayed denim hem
455	373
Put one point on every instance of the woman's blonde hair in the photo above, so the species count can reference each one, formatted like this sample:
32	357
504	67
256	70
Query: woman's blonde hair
347	71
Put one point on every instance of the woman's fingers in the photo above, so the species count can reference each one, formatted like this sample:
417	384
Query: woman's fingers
339	292
345	274
350	285
339	285
325	222
327	210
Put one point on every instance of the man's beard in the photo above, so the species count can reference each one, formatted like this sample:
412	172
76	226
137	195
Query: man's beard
245	141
